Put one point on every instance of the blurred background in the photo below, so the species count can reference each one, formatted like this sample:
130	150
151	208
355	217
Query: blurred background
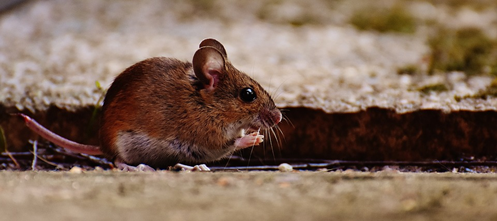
52	52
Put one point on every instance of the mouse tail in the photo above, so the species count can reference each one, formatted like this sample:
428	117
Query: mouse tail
58	140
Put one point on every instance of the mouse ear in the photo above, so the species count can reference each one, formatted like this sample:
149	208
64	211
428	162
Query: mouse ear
208	65
215	44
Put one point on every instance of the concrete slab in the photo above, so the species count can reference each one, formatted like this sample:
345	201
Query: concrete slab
52	52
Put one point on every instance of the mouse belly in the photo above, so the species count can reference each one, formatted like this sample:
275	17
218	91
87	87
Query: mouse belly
135	148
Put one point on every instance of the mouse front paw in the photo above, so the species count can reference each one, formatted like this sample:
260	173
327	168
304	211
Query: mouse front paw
249	140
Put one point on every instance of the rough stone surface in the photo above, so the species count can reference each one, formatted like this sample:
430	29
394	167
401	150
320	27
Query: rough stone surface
52	52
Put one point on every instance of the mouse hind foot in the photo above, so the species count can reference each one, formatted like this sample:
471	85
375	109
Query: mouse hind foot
199	168
125	167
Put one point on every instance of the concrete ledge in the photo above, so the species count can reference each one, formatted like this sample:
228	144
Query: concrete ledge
373	134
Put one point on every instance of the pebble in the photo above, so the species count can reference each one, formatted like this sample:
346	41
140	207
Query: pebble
285	167
76	170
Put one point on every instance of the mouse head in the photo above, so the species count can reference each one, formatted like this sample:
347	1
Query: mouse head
242	101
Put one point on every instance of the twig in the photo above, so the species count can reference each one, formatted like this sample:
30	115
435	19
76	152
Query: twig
80	156
19	154
13	159
35	155
45	160
3	144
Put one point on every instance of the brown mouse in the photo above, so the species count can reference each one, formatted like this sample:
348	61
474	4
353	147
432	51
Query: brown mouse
162	111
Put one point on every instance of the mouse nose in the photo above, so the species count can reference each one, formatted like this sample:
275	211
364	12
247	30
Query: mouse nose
276	116
270	117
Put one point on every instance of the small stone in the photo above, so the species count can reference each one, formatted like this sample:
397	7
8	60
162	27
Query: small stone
76	170
285	167
349	171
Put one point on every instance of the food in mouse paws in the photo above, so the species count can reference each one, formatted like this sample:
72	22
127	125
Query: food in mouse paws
162	111
249	140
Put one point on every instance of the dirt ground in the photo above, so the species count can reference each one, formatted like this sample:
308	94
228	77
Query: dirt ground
108	195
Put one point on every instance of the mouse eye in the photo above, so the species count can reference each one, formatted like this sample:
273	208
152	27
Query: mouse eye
248	94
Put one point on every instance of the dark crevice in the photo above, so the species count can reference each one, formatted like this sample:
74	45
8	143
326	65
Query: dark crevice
75	125
374	134
383	134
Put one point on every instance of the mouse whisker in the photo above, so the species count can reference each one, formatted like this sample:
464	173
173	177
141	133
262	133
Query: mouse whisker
264	144
277	92
278	139
229	158
250	155
270	140
252	148
271	144
280	131
278	142
286	119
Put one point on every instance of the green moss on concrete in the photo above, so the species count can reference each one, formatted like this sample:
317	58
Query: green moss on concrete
409	70
468	50
394	19
437	88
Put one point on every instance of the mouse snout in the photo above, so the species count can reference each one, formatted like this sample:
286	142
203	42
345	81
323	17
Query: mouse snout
270	117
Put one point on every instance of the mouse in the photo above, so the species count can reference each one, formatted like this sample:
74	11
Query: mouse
162	112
